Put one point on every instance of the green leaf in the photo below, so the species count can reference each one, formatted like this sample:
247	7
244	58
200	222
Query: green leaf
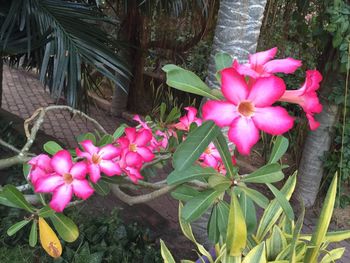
46	211
256	196
16	227
195	207
223	60
212	228
323	222
194	145
256	255
222	215
333	255
4	201
276	243
65	227
14	196
287	208
102	188
166	255
187	81
269	173
191	173
184	193
295	237
219	182
52	147
87	136
249	212
274	210
236	238
33	236
279	149
106	139
119	131
221	144
26	170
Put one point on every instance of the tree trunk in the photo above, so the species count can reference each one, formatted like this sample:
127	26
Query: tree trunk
1	79
237	32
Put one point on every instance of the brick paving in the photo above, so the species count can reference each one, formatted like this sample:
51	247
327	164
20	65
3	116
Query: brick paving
23	94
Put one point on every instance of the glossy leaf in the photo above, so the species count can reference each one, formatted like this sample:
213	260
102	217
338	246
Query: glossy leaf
106	139
222	215
191	173
333	255
194	145
102	188
255	196
279	149
33	235
184	193
16	227
323	222
236	238
223	60
187	81
212	228
221	145
249	213
46	211
295	237
195	207
65	227
13	195
269	173
119	131
275	243
52	147
5	202
219	182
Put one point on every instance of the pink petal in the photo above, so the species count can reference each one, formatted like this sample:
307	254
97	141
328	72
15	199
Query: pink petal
83	154
94	172
245	69
110	168
181	126
313	124
191	113
221	112
142	123
266	91
133	174
262	57
273	120
132	159
124	142
109	152
243	134
145	153
143	137
79	170
35	174
313	79
210	160
48	184
82	189
287	65
233	86
62	162
130	133
42	161
61	197
89	147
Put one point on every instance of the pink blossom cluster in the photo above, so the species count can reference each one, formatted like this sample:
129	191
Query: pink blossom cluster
62	176
251	89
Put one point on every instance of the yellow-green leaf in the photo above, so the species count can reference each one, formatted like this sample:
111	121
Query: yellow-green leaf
323	223
333	255
236	238
166	255
256	255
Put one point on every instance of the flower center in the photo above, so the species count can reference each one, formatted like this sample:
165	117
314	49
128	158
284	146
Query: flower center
95	158
246	108
207	151
68	178
132	147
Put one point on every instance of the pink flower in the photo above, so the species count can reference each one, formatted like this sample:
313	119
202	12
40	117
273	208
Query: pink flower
134	145
40	166
261	64
100	159
133	173
306	96
248	109
68	178
210	156
188	119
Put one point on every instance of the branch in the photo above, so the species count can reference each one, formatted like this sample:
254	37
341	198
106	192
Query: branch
131	200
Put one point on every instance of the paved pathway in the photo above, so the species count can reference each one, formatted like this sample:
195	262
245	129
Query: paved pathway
23	94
